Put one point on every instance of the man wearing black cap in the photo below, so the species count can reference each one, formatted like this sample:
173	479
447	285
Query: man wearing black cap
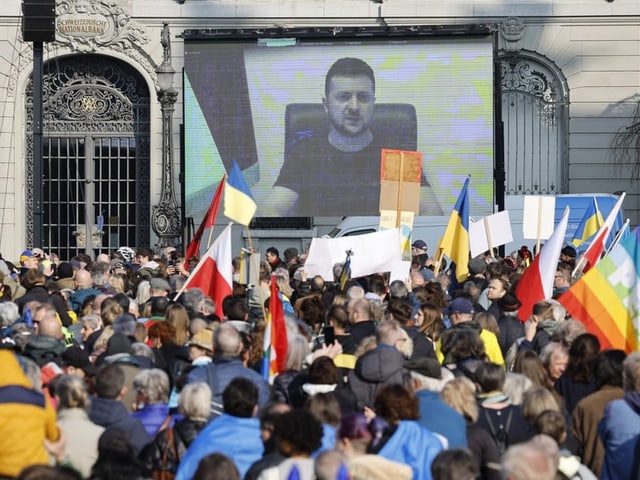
460	312
75	361
419	252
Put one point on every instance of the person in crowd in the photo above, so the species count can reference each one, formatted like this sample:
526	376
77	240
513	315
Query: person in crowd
620	424
607	375
81	434
464	352
117	458
354	438
326	409
362	325
152	396
216	466
515	384
435	415
429	321
577	380
460	395
537	400
401	310
555	357
496	289
298	434
323	376
227	365
454	464
511	328
271	455
553	424
540	326
236	432
562	278
107	410
460	313
402	439
28	419
383	365
178	316
162	456
532	460
497	415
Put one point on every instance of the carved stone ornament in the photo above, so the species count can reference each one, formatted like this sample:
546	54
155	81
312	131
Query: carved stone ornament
89	24
511	30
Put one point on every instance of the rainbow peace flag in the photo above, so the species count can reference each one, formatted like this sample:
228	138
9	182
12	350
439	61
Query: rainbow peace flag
607	298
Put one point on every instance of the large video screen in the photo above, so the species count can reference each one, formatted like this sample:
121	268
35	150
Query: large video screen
306	119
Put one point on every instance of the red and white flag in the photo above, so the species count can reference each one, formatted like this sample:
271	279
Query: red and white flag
536	283
209	221
594	252
213	274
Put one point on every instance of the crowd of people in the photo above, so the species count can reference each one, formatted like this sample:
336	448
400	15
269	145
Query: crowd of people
111	370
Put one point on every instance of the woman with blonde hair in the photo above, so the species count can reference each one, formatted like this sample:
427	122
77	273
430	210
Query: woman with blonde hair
460	394
537	400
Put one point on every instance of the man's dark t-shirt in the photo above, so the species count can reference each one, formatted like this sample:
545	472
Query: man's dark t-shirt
328	180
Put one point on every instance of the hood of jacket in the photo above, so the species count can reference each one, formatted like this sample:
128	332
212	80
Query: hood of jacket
11	373
379	364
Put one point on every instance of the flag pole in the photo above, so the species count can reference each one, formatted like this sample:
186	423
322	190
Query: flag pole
618	236
539	228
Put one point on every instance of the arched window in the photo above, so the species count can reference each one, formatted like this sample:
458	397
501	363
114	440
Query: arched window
535	114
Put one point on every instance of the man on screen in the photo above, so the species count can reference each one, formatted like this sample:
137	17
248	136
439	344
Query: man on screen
339	173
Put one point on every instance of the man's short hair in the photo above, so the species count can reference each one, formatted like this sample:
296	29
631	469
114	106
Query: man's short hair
125	324
226	341
235	307
240	398
389	332
301	429
290	253
274	251
348	67
109	381
490	377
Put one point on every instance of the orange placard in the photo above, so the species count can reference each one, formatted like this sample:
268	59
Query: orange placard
400	179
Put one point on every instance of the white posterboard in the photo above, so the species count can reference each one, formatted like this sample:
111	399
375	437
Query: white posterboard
538	216
496	227
371	253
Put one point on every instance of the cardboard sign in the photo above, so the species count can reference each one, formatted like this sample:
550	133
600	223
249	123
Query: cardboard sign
400	178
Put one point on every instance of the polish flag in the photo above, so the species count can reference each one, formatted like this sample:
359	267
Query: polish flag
213	274
592	256
536	283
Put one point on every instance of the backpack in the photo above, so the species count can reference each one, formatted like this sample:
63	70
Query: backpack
500	434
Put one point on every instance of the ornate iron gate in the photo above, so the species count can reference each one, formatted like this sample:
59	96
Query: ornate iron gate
95	157
535	103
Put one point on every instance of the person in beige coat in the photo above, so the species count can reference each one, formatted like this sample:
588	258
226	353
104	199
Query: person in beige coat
81	433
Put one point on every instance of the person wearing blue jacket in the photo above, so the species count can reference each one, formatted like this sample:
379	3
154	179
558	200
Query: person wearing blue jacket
619	427
401	438
235	433
227	365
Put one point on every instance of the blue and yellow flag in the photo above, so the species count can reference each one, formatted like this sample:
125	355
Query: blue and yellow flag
589	225
455	241
239	204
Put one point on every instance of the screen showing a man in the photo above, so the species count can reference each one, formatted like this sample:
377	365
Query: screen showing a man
346	159
307	121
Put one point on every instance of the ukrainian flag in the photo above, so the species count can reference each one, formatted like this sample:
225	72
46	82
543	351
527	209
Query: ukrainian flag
455	241
589	225
239	204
